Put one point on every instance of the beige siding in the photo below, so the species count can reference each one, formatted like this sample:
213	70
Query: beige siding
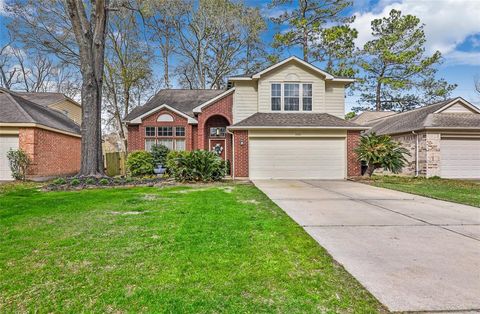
8	130
335	99
291	72
245	100
457	108
70	109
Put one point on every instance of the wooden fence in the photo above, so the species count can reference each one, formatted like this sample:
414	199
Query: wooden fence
115	164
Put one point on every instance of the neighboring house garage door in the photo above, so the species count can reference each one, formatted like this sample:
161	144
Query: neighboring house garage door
6	143
294	158
460	158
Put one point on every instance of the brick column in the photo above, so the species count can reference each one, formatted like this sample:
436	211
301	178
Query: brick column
354	167
240	154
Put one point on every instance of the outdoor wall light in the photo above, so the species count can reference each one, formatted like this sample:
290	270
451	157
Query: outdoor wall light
241	142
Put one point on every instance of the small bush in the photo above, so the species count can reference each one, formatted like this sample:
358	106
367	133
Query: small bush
59	181
90	181
197	165
75	182
159	154
19	162
140	163
103	181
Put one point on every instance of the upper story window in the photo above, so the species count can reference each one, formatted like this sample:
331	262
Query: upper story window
307	97
292	97
150	131
276	97
165	131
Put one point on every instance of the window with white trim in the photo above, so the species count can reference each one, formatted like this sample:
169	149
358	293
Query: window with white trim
150	131
291	97
165	131
149	143
179	144
166	142
218	131
307	97
276	97
179	131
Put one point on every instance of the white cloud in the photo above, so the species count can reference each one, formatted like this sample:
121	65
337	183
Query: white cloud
3	8
447	22
462	58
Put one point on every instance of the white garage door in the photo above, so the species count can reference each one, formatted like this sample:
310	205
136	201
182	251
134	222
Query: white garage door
293	158
460	158
6	142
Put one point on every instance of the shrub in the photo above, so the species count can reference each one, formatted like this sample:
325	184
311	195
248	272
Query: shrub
159	154
90	181
197	165
75	182
59	181
380	151
19	162
103	181
140	163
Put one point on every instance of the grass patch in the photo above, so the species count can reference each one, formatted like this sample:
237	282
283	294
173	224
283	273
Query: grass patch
213	249
458	191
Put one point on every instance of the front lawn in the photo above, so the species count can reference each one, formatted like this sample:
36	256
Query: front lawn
458	191
209	249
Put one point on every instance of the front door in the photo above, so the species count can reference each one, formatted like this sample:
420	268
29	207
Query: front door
218	146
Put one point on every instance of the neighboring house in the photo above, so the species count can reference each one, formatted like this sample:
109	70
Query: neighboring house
39	124
443	138
368	117
284	122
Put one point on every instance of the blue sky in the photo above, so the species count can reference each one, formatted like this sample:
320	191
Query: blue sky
451	26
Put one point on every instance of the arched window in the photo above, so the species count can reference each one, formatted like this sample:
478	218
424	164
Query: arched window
165	118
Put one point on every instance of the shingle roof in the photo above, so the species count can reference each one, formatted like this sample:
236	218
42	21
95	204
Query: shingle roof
367	117
425	117
44	99
277	119
16	109
183	100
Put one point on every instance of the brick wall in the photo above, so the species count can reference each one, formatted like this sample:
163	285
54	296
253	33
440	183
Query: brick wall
353	165
241	154
51	153
222	107
136	133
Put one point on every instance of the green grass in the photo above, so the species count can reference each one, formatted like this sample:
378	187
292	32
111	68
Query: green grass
205	249
458	191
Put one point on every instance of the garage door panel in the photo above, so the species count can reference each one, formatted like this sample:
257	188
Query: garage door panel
460	158
291	158
6	143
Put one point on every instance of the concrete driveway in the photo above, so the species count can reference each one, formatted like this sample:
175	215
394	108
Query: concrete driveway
412	253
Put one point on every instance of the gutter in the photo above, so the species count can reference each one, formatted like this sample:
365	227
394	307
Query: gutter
298	127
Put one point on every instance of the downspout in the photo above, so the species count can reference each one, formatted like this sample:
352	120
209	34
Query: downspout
416	153
233	153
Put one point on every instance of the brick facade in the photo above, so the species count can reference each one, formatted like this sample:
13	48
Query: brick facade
137	137
354	168
240	154
51	153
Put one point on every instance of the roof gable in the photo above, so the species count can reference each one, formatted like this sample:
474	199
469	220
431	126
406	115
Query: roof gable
458	105
429	117
298	61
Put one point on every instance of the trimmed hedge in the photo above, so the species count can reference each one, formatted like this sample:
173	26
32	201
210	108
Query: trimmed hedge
198	165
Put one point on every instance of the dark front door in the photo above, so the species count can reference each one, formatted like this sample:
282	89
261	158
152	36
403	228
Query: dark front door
218	146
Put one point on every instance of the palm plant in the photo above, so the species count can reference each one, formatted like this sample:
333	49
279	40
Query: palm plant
380	151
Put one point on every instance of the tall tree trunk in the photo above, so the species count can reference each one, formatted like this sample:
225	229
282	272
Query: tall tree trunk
378	100
305	45
90	37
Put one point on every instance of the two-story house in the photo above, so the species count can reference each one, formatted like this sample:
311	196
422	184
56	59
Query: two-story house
285	122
